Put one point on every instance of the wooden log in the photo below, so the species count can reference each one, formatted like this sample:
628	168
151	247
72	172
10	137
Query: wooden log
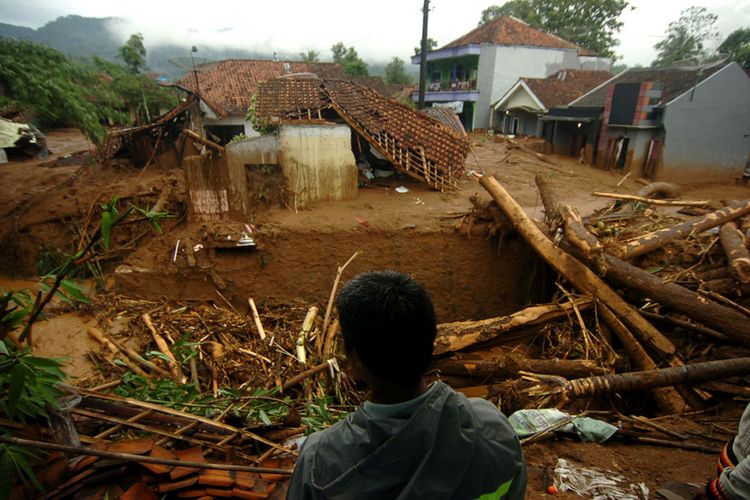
652	201
657	239
728	321
161	344
651	379
582	278
462	334
577	234
307	327
202	140
669	294
687	325
552	214
256	319
666	398
508	366
733	242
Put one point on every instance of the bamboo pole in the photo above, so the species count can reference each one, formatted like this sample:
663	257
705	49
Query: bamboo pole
78	450
174	367
102	339
256	318
307	326
339	272
305	374
652	201
178	413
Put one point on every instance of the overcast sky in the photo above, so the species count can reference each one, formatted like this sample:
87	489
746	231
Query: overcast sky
378	30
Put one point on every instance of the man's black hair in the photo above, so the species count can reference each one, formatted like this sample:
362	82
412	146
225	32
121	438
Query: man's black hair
388	320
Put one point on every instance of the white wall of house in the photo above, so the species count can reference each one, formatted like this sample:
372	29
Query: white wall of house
708	130
500	67
232	120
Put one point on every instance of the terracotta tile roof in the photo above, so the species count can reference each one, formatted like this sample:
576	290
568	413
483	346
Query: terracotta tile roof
565	86
672	81
229	85
446	117
507	30
412	141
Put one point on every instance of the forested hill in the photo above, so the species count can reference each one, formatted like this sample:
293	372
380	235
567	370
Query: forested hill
79	36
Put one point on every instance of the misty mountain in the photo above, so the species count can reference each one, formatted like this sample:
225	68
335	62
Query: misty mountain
83	37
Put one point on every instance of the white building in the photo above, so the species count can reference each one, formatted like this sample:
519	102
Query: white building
476	70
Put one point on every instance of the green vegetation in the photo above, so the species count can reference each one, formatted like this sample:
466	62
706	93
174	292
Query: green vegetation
591	24
61	92
431	44
56	90
310	56
737	47
349	60
686	37
395	72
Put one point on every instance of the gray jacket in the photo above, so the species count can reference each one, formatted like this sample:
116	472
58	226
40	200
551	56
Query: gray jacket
448	446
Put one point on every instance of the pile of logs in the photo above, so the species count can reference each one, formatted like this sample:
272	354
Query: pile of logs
628	302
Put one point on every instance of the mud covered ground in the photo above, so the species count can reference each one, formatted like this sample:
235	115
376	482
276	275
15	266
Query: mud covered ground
40	203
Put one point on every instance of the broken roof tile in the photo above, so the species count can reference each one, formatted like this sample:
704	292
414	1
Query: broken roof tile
231	84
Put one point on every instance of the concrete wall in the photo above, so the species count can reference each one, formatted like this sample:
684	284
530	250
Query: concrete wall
262	150
500	67
708	131
318	163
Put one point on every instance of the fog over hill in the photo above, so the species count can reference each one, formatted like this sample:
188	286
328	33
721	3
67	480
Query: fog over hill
83	37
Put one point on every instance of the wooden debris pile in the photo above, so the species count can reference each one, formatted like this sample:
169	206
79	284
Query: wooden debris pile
648	313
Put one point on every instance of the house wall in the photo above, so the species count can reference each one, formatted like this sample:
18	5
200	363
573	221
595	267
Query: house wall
528	123
318	163
500	67
708	131
639	140
232	120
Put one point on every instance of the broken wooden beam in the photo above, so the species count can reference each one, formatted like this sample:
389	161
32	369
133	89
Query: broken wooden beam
652	201
462	334
508	365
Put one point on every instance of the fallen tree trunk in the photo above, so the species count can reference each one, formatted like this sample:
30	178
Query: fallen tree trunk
658	239
507	367
552	215
733	243
578	274
727	320
732	323
651	379
202	140
665	397
462	334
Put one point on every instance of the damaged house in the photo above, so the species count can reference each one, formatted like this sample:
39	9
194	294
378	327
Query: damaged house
671	123
226	90
324	126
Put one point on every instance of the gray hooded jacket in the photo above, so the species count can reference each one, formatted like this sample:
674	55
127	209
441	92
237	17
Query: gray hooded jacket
441	446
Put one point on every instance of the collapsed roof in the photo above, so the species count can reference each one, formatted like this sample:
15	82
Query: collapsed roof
228	86
413	142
